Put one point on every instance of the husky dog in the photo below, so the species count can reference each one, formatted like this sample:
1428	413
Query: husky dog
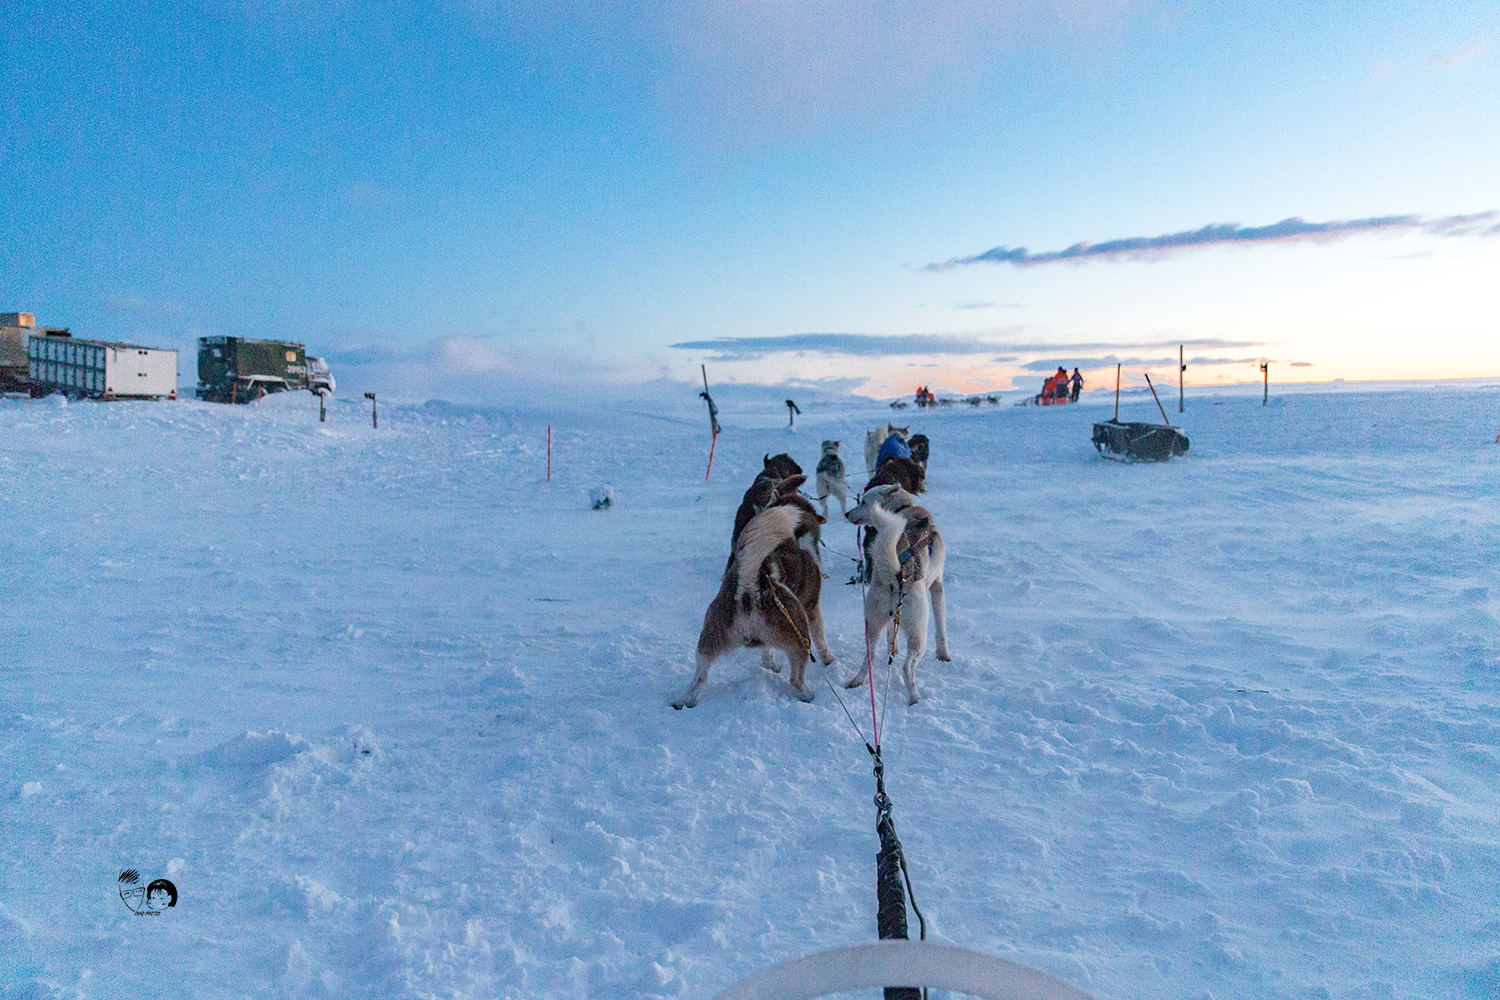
777	484
907	573
768	598
919	449
897	471
902	472
781	466
873	440
876	443
766	492
894	446
831	478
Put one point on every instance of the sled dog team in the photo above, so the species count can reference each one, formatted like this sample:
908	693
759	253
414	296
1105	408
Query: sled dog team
772	584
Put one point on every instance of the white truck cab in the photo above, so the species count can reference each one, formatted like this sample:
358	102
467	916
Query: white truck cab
319	378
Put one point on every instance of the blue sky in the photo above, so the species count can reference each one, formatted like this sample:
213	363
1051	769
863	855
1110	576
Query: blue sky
469	197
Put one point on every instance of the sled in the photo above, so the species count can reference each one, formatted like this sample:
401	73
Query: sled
1139	442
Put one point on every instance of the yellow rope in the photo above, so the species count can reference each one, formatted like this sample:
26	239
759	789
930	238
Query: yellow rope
788	615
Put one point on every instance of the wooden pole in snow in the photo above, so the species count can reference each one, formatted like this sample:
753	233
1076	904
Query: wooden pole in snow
374	410
549	453
1265	370
1181	367
1154	396
1117	393
713	422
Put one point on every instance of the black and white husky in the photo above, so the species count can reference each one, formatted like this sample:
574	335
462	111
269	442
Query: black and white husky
906	573
831	478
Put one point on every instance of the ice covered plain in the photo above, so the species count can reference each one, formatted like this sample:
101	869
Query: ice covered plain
392	712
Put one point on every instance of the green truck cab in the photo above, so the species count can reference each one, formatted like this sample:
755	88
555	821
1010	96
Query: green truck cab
241	370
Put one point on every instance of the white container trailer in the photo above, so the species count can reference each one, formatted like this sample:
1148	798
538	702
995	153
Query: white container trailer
101	369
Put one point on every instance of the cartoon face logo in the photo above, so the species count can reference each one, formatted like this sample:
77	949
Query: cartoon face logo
146	900
131	891
160	894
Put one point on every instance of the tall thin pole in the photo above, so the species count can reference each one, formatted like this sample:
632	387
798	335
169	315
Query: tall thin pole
549	453
1181	367
1265	369
1117	393
1154	396
713	422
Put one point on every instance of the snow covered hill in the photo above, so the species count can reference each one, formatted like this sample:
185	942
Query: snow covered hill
392	711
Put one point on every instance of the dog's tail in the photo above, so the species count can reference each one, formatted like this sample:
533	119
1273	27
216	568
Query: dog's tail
888	528
761	536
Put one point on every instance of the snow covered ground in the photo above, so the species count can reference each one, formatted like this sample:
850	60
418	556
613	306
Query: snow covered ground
392	712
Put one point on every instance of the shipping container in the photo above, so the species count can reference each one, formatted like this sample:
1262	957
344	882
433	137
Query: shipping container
100	369
241	370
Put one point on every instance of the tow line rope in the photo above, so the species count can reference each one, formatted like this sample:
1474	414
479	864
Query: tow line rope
836	552
893	886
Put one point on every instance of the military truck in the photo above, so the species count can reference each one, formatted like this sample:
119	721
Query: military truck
241	370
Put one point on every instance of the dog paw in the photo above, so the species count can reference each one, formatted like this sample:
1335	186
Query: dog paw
682	703
855	681
804	694
945	657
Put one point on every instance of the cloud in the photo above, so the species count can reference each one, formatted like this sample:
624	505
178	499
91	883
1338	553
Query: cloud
730	71
1137	361
1231	234
1455	59
131	304
893	345
462	369
857	344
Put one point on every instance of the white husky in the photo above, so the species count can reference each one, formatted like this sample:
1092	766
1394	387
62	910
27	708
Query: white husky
831	478
907	573
873	440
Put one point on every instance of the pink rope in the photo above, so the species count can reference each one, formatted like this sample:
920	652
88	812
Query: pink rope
869	650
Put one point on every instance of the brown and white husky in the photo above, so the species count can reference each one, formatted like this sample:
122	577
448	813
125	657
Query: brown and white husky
768	598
